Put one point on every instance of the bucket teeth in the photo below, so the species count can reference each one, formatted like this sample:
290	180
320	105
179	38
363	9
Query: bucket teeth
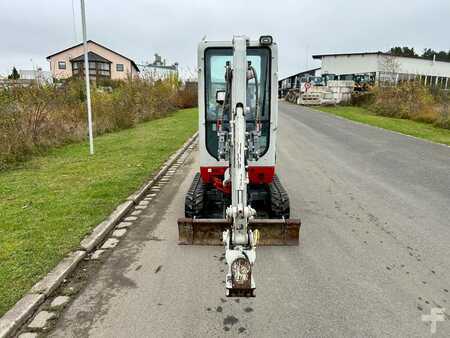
209	231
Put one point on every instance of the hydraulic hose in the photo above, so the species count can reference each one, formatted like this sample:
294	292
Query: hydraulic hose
255	75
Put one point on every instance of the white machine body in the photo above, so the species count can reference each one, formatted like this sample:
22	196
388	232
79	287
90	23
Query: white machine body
247	141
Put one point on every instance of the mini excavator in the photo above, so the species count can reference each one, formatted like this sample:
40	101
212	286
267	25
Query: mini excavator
236	199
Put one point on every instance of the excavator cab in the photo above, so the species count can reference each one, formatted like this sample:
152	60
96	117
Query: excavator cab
236	199
217	102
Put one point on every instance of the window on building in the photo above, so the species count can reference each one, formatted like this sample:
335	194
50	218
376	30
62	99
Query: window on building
97	70
61	64
99	67
77	68
119	67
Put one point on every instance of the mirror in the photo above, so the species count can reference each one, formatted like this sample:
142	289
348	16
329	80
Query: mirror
220	96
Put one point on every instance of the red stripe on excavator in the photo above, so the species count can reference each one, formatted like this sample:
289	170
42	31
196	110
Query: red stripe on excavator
256	175
208	173
261	175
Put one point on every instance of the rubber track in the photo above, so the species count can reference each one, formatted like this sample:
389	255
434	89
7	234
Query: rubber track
193	204
279	199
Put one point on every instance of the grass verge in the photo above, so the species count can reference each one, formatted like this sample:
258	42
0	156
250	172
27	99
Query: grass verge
49	204
417	129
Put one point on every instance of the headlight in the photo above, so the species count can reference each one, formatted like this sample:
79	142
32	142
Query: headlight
265	40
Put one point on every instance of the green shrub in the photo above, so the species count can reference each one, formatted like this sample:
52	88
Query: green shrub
187	95
410	100
362	99
443	107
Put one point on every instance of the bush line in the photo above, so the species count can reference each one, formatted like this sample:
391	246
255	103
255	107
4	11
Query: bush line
36	118
408	100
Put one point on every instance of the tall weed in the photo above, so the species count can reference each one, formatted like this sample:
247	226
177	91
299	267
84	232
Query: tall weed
35	118
412	100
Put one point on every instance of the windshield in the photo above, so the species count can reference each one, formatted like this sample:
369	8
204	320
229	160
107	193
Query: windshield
215	63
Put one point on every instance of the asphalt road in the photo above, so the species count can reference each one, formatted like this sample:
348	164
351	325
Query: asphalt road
374	251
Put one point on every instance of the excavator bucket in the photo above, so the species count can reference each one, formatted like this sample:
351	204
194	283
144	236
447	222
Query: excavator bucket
209	231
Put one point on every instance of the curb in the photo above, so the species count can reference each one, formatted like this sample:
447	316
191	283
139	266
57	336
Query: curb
102	229
54	278
28	304
19	314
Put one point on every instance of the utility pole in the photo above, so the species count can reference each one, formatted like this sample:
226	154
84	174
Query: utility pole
75	40
86	76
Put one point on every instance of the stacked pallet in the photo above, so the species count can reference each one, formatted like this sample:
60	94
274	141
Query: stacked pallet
341	90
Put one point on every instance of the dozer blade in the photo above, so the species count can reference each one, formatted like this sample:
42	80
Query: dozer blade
209	231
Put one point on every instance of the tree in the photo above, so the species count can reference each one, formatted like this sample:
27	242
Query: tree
403	51
427	53
442	55
14	74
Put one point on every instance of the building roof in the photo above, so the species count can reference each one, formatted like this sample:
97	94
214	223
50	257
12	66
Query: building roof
320	56
92	57
92	41
296	74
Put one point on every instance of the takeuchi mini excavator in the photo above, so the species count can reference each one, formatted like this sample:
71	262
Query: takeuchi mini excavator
236	198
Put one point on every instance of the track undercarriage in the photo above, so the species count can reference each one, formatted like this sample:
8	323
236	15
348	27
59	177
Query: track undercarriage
205	219
270	201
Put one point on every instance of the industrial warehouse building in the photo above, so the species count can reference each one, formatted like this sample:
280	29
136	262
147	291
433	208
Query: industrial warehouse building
378	67
385	67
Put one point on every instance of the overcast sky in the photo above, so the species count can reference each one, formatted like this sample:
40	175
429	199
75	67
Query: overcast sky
33	29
